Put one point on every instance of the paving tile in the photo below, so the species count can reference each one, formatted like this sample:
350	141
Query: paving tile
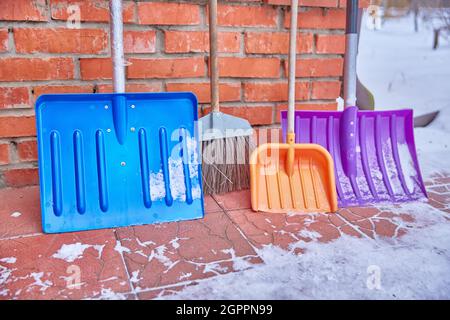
348	230
19	212
429	183
327	231
443	198
437	204
385	228
439	189
211	205
46	266
234	200
350	216
444	179
366	212
336	220
283	230
365	224
367	232
161	293
165	254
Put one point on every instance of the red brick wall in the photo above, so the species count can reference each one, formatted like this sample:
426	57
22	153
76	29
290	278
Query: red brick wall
167	47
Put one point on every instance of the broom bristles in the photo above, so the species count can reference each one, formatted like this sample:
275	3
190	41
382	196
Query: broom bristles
226	164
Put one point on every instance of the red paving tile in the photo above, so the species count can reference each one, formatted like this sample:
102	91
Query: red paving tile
440	197
19	212
283	230
152	261
234	200
161	293
36	268
165	254
211	205
351	231
364	212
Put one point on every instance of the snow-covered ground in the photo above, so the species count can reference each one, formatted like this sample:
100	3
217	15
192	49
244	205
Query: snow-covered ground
413	267
402	71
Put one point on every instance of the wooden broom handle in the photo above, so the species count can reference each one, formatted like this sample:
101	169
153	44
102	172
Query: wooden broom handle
292	62
214	69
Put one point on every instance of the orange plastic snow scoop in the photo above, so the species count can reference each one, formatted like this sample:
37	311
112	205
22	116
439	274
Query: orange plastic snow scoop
288	177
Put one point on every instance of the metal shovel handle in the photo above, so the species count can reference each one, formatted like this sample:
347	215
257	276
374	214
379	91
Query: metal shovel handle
118	60
119	108
351	51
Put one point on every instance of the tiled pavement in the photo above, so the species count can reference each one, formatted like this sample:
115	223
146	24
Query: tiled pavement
145	262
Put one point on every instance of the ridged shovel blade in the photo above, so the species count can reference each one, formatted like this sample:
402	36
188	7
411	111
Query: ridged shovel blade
102	169
387	169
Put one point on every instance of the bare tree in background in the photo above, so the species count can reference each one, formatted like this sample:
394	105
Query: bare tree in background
435	14
444	29
415	8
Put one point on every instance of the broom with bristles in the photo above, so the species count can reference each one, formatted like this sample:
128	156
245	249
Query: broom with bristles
225	139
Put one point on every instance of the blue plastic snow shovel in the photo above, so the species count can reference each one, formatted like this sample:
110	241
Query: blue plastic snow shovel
111	160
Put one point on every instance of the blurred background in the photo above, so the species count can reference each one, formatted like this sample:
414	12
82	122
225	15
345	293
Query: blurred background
404	54
404	62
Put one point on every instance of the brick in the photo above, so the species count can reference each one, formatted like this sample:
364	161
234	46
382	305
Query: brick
330	43
247	16
60	40
4	153
276	42
27	150
306	3
52	89
274	91
14	97
17	127
227	91
362	3
317	18
198	41
4	40
20	177
95	68
325	89
23	10
249	67
331	67
139	41
168	13
256	115
318	106
166	68
90	10
18	69
132	87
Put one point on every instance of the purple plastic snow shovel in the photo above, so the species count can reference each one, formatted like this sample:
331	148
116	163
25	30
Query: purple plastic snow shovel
374	151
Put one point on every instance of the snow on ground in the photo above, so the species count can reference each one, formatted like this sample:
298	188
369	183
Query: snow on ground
74	251
402	71
412	267
16	214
